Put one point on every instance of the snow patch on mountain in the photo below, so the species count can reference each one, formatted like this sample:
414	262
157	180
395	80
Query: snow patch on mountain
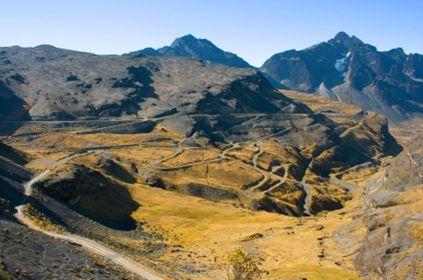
341	64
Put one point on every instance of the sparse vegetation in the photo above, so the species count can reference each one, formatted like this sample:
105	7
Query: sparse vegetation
242	266
41	220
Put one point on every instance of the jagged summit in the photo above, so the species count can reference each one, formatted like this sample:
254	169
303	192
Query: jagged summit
187	39
190	46
346	40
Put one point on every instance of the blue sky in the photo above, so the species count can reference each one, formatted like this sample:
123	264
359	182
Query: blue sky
254	29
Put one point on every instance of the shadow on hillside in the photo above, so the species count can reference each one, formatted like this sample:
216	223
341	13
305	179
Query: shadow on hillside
91	194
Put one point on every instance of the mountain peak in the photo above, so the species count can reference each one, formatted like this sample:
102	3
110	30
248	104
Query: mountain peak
341	36
186	39
191	46
346	40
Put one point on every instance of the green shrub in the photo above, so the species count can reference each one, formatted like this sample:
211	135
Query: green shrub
242	266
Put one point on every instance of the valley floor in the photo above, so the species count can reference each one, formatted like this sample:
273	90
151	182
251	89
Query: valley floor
198	233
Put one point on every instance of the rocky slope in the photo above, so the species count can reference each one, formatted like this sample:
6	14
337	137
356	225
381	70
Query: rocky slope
27	254
46	82
348	70
78	186
12	174
393	245
190	46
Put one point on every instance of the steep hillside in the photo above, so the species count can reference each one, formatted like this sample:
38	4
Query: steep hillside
27	254
50	83
348	70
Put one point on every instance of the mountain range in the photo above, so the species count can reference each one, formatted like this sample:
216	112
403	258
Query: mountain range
343	68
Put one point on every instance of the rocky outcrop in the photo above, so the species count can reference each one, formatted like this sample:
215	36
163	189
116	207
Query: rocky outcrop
116	170
369	138
348	70
11	106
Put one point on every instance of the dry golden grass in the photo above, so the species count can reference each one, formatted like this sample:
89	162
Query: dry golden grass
406	131
231	173
289	247
417	232
277	153
70	140
246	152
142	155
42	221
191	155
323	104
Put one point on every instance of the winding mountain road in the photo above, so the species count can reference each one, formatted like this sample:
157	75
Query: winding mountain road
266	178
256	188
179	149
89	244
220	157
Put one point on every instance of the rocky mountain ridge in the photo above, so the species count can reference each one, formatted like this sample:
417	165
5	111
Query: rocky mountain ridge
349	70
